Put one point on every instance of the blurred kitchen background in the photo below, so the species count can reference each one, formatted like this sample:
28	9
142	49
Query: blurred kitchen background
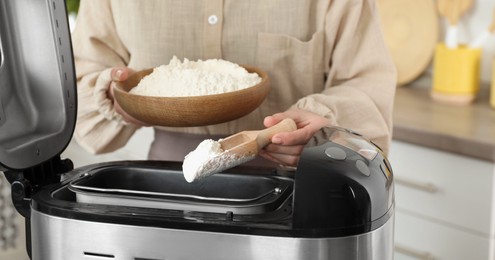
442	153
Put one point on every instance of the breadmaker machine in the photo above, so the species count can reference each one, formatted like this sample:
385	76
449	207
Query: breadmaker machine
337	204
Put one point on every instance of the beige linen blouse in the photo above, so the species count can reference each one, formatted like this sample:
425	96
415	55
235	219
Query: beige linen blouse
324	56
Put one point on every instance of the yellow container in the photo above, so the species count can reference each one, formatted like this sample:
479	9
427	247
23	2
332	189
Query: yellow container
456	74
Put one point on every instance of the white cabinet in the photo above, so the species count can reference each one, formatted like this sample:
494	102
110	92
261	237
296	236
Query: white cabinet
444	204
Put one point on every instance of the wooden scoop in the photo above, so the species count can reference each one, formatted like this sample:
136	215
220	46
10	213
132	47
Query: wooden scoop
453	10
249	143
235	149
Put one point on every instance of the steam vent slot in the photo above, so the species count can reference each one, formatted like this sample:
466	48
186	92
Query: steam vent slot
99	255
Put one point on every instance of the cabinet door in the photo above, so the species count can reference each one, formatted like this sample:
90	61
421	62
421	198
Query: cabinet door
444	187
420	239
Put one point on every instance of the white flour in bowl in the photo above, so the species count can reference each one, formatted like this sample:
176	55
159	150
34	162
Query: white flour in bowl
195	78
209	158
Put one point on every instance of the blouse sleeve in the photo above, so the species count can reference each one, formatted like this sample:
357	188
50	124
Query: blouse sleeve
361	77
97	49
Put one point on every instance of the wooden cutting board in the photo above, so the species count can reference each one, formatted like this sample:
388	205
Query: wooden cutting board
411	31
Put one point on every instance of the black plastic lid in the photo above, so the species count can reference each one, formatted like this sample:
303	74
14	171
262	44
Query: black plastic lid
38	99
344	184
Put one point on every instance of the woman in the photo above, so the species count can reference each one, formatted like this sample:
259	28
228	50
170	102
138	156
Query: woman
326	59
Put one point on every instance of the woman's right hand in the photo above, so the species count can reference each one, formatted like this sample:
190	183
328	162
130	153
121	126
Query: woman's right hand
120	74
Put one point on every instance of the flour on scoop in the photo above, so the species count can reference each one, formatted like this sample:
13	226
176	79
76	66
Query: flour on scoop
195	78
209	158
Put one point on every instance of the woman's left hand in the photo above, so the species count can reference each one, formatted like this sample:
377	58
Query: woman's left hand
286	147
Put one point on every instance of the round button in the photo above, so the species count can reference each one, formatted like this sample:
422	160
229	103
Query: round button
336	153
212	19
362	167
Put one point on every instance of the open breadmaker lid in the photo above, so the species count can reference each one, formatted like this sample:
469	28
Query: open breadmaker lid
38	99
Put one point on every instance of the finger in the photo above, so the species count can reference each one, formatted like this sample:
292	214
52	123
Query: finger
131	120
268	156
283	149
297	137
274	119
284	159
302	118
120	74
128	118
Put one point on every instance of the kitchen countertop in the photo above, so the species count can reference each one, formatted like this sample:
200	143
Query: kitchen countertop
466	130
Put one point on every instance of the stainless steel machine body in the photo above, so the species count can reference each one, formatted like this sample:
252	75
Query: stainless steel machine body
105	241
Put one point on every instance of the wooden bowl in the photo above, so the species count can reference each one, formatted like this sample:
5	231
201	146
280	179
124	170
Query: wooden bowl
193	110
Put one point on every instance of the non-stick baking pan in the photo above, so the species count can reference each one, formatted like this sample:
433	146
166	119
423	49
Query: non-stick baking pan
167	189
